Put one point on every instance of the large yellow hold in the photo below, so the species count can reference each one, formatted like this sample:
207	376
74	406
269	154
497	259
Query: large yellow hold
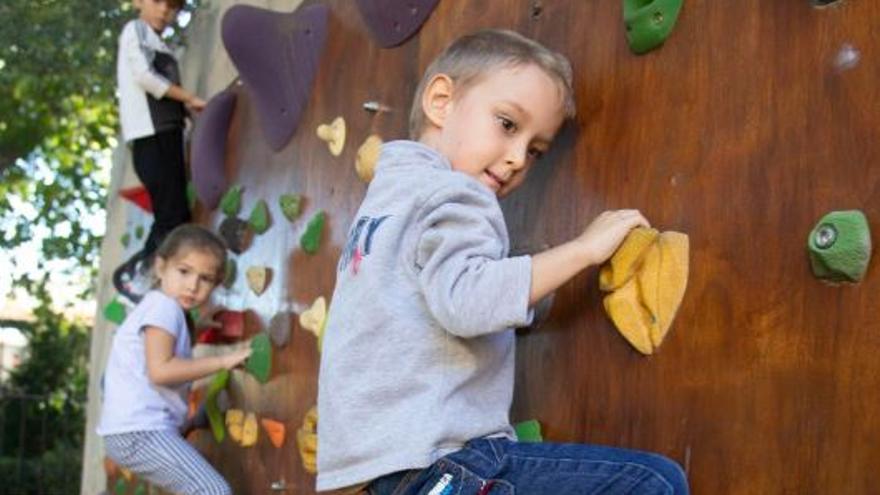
648	276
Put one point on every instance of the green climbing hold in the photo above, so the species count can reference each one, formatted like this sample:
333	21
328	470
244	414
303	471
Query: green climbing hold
230	272
311	238
259	363
125	239
230	203
120	487
191	195
215	416
290	205
141	489
529	431
259	219
840	246
649	22
139	232
115	311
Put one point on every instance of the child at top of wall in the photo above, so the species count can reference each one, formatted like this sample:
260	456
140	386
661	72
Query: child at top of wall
152	107
150	369
417	365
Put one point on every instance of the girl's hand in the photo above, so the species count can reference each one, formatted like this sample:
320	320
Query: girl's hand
235	358
605	234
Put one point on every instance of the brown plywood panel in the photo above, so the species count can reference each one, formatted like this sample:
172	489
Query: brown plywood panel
739	131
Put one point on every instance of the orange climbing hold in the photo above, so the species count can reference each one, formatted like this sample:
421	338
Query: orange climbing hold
274	430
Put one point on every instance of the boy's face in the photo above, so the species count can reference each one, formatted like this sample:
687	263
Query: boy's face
498	126
157	13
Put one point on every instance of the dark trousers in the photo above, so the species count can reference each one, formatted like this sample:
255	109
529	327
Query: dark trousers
159	164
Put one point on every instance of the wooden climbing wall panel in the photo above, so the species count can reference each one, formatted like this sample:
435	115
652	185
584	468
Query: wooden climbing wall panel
740	131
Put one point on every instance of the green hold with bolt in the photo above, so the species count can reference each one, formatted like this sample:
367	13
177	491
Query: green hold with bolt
649	22
840	247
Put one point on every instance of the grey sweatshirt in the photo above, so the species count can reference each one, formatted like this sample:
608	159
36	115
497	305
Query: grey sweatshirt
418	350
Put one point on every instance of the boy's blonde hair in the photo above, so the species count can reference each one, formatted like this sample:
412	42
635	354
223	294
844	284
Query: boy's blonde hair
472	56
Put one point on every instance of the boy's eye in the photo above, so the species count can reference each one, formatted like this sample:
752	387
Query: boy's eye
506	124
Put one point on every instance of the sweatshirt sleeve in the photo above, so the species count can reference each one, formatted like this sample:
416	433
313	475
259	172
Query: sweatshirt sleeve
469	284
141	71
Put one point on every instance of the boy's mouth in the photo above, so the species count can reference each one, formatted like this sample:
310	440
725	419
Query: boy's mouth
498	182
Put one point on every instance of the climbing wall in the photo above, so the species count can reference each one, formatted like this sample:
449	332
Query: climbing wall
751	122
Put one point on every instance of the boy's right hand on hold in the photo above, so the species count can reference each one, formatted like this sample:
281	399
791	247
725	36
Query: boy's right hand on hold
235	358
605	234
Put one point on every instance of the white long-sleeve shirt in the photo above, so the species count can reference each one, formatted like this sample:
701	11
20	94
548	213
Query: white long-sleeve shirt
145	69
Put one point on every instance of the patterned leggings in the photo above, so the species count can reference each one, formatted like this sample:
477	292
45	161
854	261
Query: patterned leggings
167	460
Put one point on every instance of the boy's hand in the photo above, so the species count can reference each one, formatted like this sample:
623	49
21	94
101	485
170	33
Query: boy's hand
605	234
235	358
195	104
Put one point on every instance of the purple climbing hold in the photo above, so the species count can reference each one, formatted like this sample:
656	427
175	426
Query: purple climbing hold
393	21
209	148
277	56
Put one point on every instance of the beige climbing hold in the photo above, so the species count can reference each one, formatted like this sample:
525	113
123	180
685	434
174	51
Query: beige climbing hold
307	440
258	278
334	134
314	318
367	156
235	424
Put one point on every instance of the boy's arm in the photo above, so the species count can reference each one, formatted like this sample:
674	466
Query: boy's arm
147	77
554	267
164	368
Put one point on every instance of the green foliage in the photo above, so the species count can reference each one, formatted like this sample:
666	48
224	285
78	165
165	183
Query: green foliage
58	123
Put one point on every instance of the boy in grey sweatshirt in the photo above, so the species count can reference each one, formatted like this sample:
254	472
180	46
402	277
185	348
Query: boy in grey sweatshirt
416	376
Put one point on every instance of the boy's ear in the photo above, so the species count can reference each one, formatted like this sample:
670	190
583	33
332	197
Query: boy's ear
437	99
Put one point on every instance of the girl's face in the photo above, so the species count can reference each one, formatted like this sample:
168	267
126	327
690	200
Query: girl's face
188	277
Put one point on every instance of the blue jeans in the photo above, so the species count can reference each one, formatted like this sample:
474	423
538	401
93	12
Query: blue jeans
498	466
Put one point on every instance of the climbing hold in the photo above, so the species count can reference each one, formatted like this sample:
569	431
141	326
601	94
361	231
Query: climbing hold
528	431
237	233
140	489
125	239
394	21
230	271
260	219
115	311
307	440
139	232
231	323
627	259
649	22
367	156
235	424
139	196
274	430
121	487
208	148
648	280
212	406
334	134
840	247
249	431
315	318
279	329
259	364
191	195
279	86
230	203
311	238
258	278
290	205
